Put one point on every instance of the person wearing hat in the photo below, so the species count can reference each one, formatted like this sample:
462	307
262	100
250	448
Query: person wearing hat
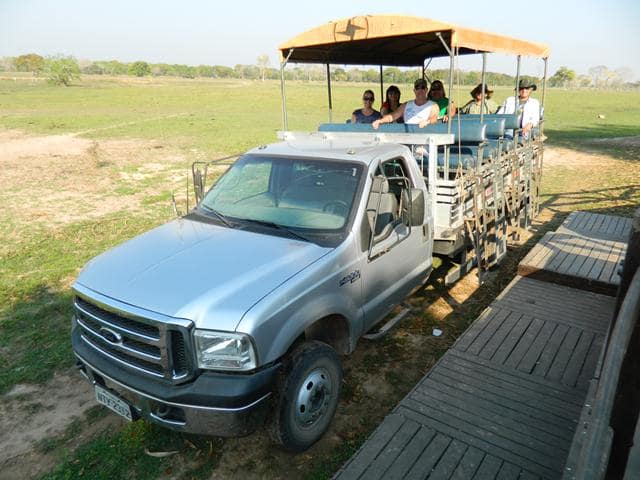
528	108
420	111
475	106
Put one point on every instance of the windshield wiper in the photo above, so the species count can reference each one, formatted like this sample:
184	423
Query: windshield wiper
218	215
277	227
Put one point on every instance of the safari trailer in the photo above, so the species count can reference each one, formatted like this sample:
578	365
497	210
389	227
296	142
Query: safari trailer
485	177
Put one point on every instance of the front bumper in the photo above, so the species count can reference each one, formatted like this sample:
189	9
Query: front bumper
226	405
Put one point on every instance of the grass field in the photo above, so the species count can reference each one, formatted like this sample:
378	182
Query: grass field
140	136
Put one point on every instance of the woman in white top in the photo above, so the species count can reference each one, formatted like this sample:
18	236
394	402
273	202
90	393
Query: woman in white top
528	108
419	111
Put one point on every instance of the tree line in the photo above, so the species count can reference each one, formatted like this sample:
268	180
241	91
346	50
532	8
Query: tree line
62	70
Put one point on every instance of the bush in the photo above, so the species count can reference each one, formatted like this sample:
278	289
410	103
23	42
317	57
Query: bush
28	63
61	70
139	69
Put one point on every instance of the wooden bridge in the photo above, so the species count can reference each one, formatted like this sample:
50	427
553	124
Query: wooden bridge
504	402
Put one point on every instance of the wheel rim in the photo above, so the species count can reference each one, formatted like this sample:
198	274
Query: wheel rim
313	397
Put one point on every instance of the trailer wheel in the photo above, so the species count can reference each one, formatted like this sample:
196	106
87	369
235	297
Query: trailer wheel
307	397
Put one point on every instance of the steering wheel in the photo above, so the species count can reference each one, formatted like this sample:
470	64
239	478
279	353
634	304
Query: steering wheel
336	207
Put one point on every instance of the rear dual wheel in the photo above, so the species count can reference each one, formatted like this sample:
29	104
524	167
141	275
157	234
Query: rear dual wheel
307	397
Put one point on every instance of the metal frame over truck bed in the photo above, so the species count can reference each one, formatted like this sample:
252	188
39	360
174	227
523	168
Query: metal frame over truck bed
484	183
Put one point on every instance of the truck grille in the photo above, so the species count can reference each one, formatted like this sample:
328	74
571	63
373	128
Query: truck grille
155	348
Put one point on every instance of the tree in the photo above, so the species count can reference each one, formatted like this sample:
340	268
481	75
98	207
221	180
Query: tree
139	69
599	75
562	78
61	70
29	63
263	63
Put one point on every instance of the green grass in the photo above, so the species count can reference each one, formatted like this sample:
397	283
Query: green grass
219	118
124	454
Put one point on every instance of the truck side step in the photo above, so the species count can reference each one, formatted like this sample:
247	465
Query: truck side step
390	324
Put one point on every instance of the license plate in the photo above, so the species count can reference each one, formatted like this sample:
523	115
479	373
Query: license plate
113	402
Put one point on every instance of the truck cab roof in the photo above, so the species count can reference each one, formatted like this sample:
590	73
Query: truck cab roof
352	150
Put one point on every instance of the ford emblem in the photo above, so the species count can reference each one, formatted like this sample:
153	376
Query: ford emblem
111	336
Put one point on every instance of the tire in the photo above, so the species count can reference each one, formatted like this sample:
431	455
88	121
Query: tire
307	396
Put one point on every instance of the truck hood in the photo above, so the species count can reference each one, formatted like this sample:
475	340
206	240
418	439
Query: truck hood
198	271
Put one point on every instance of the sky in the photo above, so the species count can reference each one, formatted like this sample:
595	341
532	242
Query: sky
581	34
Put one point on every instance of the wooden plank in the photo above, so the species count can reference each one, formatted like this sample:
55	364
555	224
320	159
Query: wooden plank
578	359
504	418
595	321
449	461
501	333
476	329
391	451
524	344
530	360
410	454
372	447
509	343
591	361
558	425
550	351
489	332
529	393
469	465
509	472
559	364
491	369
489	468
487	441
429	457
615	257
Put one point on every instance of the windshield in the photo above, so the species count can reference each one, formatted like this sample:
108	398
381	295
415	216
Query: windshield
315	195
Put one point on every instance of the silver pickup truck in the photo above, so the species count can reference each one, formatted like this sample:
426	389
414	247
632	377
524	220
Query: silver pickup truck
246	303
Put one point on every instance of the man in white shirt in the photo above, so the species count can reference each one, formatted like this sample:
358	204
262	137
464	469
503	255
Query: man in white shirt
420	111
528	108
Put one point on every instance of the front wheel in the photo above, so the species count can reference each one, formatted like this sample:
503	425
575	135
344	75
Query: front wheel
308	396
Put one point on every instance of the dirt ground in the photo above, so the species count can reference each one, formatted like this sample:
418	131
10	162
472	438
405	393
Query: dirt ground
61	179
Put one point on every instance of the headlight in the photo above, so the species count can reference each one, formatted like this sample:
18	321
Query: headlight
224	351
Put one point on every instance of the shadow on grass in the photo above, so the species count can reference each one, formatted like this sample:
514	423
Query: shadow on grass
34	337
605	139
564	201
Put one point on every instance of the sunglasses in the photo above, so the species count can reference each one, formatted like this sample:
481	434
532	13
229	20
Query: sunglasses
420	87
436	87
367	99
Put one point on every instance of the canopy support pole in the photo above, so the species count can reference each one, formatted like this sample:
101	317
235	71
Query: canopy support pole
285	121
329	93
516	97
483	103
382	97
424	70
451	61
544	93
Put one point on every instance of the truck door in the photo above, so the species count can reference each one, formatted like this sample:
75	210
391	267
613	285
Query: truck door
395	255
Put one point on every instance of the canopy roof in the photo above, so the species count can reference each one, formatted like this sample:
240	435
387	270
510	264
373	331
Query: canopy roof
396	40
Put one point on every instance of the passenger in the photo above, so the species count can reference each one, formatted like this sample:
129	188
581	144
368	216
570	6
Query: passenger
420	111
474	106
437	94
392	102
366	114
528	108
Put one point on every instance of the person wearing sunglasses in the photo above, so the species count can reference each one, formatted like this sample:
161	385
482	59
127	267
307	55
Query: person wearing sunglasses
437	94
366	114
420	111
